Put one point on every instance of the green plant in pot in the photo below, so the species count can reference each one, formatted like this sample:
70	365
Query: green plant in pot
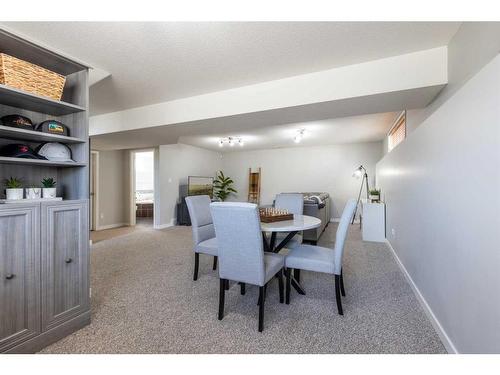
14	188
375	195
49	187
33	192
223	187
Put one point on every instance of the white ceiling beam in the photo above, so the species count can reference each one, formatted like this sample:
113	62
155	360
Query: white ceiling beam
389	75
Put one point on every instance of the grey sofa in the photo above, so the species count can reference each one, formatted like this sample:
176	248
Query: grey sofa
316	204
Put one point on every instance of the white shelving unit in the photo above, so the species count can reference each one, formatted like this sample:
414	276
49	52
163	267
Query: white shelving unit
44	252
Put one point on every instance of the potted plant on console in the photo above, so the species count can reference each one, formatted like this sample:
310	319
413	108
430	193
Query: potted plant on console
33	192
223	186
49	188
375	195
14	188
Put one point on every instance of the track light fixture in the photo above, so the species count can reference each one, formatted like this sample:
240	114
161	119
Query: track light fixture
231	141
299	136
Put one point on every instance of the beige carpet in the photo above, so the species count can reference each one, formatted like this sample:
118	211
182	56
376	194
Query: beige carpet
145	301
106	234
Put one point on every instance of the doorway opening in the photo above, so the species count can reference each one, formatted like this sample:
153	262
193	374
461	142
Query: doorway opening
143	187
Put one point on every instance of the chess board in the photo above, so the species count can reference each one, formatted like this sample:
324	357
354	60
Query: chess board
270	215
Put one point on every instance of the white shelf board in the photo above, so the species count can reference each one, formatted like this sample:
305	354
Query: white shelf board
31	135
25	200
47	163
32	102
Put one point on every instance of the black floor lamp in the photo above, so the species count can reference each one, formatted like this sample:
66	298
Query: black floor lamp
361	171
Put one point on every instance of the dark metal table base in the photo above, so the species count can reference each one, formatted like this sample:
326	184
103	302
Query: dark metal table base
270	247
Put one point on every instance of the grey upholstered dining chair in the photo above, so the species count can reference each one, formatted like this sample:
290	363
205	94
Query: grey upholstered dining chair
322	259
241	253
293	203
203	229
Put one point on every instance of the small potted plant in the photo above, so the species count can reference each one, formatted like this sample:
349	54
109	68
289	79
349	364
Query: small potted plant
14	188
33	192
375	195
49	187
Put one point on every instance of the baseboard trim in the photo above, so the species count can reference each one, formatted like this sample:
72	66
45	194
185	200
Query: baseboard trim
111	226
337	220
164	226
39	342
448	344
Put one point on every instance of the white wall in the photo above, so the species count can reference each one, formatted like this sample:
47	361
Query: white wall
302	169
113	189
441	189
367	79
175	163
474	45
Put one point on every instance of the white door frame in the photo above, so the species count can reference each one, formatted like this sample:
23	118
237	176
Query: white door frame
95	188
132	206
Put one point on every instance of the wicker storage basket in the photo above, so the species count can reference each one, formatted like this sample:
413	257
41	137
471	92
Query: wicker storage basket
29	77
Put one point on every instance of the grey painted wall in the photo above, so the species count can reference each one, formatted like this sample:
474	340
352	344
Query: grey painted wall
473	46
113	188
441	189
300	169
175	163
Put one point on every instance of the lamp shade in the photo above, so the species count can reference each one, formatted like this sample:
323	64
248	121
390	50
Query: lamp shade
358	172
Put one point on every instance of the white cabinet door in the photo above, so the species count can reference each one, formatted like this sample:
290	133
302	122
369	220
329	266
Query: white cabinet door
373	221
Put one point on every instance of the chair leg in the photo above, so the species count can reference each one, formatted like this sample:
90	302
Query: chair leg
296	275
342	290
263	296
242	289
280	284
221	298
215	263
288	286
261	309
337	294
196	265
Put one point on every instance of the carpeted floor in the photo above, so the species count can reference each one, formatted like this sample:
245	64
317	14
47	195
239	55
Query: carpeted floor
106	234
145	301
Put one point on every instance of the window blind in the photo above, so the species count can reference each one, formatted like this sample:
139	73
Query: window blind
398	132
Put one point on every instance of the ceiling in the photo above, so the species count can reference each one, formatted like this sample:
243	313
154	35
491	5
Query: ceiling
367	128
155	62
256	135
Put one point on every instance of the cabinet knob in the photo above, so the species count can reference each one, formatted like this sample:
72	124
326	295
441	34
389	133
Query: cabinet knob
68	260
9	276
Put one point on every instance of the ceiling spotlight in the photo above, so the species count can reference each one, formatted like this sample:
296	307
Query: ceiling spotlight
240	142
221	143
299	136
230	141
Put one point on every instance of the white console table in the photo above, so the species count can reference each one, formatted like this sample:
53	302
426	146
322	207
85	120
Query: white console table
373	221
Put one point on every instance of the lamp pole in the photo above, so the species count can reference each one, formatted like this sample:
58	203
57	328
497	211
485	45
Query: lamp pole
363	181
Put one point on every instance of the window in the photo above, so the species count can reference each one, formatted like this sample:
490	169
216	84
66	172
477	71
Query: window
144	176
398	131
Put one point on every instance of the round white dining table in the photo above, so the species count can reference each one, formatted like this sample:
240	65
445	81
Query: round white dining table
292	227
299	223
